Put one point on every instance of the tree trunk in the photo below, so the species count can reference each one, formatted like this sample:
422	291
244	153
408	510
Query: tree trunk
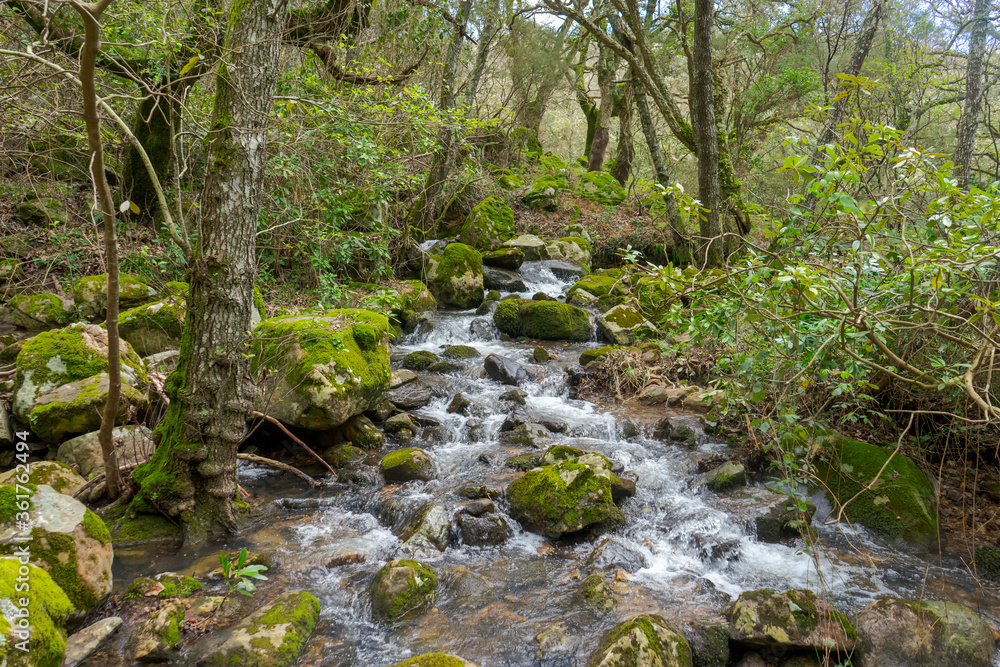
626	144
153	127
591	112
703	112
192	476
491	27
602	136
967	124
90	14
425	210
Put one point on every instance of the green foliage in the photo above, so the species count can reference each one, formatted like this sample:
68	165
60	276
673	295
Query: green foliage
238	575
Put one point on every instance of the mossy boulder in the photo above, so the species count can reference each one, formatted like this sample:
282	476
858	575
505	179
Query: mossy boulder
401	587
797	619
726	477
326	368
565	496
83	453
456	276
508	259
490	222
595	354
157	638
359	431
532	247
47	611
596	594
924	633
405	465
90	294
460	352
624	324
40	312
414	295
420	360
988	562
154	327
435	660
398	423
68	541
60	386
60	155
10	269
643	641
47	211
899	504
598	285
59	476
572	249
508	180
273	636
548	320
600	186
543	195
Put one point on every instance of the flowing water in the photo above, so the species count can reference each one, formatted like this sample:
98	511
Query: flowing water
699	547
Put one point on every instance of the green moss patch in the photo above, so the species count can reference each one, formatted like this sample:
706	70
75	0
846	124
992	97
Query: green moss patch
48	609
548	320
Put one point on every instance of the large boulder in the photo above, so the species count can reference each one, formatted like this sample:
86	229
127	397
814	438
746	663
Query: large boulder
502	280
401	587
456	276
59	476
893	498
414	295
273	636
509	259
548	320
40	312
326	368
624	324
924	633
90	295
570	248
83	453
61	384
600	186
643	641
599	284
490	222
505	370
408	464
67	540
565	495
531	247
46	613
797	619
154	327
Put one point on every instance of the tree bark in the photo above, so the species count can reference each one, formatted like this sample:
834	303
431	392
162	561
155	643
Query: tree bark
969	121
602	136
491	26
626	143
153	127
703	113
91	13
192	475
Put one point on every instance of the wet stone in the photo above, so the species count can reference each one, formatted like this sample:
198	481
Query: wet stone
505	370
411	395
611	555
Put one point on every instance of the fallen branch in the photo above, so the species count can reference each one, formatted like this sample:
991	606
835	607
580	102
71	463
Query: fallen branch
294	437
125	471
278	465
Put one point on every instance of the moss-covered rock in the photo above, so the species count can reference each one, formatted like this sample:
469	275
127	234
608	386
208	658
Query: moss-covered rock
794	619
40	312
414	295
401	587
548	320
598	284
157	638
490	222
326	368
924	633
726	477
900	504
400	422
460	352
359	431
564	497
344	456
154	327
509	259
404	465
273	636
46	611
643	641
456	276
59	476
988	562
67	540
435	660
532	247
60	385
595	354
596	594
508	180
47	211
573	249
90	294
419	360
543	195
624	324
175	288
600	186
10	270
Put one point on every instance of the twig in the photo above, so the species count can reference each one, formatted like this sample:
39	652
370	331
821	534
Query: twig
291	435
278	465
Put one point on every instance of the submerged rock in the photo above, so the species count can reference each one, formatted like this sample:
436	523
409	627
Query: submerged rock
646	641
611	555
793	619
401	587
924	633
273	636
47	611
547	320
596	594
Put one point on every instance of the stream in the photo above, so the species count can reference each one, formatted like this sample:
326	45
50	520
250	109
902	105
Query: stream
697	549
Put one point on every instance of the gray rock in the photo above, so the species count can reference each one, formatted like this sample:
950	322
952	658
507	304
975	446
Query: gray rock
565	269
726	477
459	404
83	644
502	280
505	370
411	395
622	324
611	555
487	530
